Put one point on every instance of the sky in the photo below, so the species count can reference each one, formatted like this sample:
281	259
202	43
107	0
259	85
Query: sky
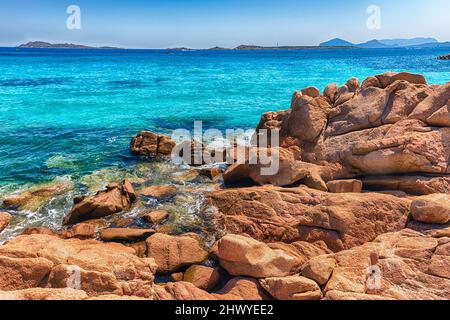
225	23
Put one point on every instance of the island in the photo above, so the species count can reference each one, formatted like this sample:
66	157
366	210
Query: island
47	45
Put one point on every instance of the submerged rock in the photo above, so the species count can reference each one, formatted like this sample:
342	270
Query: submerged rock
159	192
155	217
116	198
33	198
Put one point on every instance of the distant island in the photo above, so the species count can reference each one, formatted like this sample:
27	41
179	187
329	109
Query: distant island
47	45
388	43
336	43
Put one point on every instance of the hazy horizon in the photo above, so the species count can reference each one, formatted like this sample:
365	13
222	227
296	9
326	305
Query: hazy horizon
230	23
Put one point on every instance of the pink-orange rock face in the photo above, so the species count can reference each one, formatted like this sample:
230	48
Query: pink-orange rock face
116	198
150	144
173	252
395	124
5	219
96	268
342	221
409	265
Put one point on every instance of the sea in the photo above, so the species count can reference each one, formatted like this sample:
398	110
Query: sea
69	114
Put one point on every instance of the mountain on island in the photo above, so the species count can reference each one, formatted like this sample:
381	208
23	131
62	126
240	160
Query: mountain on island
337	43
47	45
384	43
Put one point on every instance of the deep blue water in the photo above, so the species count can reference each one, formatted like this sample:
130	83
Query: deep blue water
71	112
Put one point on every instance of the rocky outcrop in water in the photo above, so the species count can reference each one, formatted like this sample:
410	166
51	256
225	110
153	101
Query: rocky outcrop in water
150	144
447	57
116	198
5	219
392	124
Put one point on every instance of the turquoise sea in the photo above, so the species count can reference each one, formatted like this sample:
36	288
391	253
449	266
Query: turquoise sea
69	114
80	107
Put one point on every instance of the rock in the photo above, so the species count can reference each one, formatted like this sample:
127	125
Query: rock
345	186
211	173
5	219
186	176
419	185
174	252
241	288
390	77
181	291
290	171
394	125
32	199
308	117
125	234
39	230
202	277
159	192
243	256
353	85
433	208
150	144
330	92
140	248
156	217
116	198
447	57
410	266
312	92
81	231
371	82
236	289
44	294
30	261
319	268
342	221
292	288
177	276
441	117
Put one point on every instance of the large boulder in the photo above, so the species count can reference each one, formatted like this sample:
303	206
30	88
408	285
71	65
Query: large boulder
150	144
116	198
243	256
342	221
125	234
433	208
5	219
395	125
405	265
236	289
38	260
202	277
292	288
174	252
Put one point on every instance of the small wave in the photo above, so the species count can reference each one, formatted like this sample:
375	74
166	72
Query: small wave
33	82
126	84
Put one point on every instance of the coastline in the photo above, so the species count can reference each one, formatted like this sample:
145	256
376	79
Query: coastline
331	200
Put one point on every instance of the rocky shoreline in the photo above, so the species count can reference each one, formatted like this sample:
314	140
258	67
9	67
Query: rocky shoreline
360	209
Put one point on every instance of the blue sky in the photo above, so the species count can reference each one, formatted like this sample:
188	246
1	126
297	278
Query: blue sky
201	23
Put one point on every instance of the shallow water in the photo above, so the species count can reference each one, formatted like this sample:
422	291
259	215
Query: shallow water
71	113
